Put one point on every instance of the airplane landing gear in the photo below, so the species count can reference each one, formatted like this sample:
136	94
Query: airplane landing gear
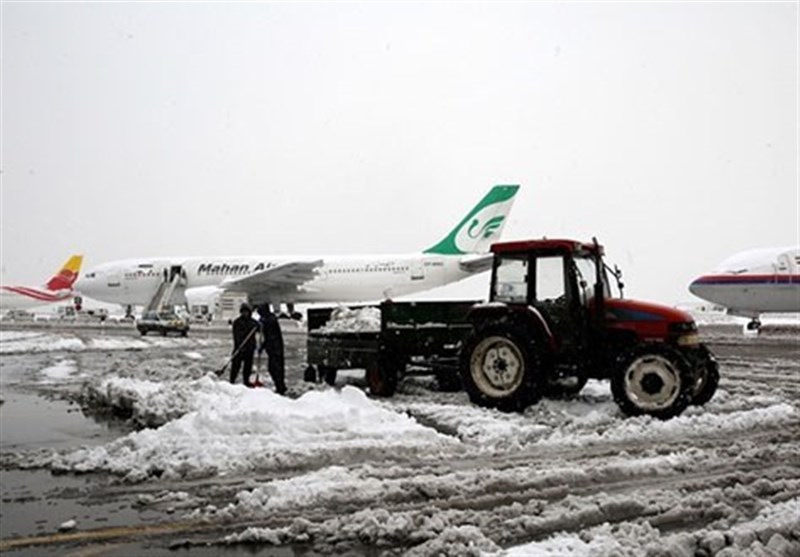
290	312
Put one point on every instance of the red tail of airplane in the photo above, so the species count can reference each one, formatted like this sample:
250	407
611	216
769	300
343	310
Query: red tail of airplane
67	275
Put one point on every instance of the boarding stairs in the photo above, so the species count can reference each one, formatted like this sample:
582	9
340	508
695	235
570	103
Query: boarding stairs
166	289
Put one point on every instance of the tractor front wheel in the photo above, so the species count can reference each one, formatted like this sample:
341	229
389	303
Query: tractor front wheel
706	382
652	380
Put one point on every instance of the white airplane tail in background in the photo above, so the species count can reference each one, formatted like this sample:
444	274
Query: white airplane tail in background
481	227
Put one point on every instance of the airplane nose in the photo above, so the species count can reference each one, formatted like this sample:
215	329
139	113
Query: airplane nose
701	288
694	286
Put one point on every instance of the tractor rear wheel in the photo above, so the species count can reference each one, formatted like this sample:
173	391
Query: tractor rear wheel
500	369
652	380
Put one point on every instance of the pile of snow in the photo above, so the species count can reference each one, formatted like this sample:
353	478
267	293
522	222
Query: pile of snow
231	428
346	320
146	403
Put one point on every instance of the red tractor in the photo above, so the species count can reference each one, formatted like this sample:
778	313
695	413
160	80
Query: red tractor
552	323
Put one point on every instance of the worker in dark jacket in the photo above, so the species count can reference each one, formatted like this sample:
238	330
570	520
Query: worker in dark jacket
272	343
244	344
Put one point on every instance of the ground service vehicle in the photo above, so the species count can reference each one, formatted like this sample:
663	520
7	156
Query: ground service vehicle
551	324
413	337
162	323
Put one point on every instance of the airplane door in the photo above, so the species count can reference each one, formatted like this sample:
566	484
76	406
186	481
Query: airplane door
417	270
176	271
785	265
113	280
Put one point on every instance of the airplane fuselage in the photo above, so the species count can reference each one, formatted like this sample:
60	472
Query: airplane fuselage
750	283
339	279
751	294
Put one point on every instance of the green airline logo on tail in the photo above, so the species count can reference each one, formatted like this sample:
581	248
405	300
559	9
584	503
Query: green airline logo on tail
473	234
487	229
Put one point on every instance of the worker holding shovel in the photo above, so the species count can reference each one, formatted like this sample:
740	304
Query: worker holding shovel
244	344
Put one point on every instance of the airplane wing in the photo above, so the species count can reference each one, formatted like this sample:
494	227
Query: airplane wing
286	277
476	263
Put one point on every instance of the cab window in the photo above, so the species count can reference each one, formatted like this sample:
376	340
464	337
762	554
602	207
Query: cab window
511	280
550	285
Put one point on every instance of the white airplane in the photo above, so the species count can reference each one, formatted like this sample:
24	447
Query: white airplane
58	289
305	279
753	282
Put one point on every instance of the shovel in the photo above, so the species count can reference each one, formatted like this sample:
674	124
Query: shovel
221	370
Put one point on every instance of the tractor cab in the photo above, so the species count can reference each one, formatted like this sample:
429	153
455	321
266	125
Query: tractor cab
564	281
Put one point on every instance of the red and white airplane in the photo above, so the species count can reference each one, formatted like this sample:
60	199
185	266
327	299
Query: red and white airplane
57	289
753	282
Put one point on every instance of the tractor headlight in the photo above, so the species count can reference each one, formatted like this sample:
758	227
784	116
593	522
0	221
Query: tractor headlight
692	339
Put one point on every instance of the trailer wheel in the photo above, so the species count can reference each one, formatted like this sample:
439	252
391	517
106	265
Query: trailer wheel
500	370
652	380
382	379
328	374
705	384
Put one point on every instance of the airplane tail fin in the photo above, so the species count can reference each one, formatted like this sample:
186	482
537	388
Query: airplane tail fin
67	275
482	226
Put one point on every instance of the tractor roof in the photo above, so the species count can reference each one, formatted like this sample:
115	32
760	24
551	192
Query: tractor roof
545	244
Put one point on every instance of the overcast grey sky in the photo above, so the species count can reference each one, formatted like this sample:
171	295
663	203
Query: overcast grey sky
668	130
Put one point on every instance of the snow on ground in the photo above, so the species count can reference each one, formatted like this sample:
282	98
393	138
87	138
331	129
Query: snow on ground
30	342
765	535
230	428
60	371
14	342
428	473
